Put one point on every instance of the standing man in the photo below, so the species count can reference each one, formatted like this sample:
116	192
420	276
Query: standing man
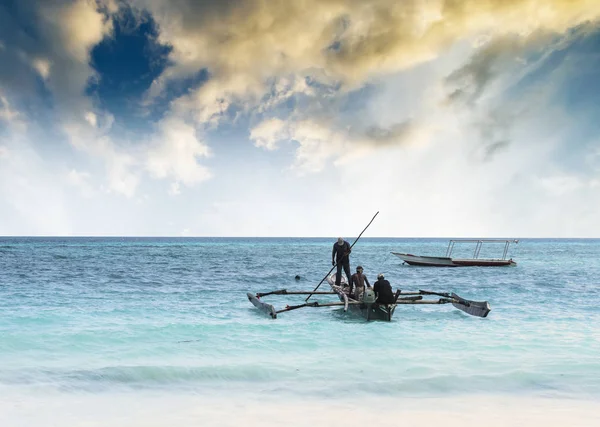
358	282
341	255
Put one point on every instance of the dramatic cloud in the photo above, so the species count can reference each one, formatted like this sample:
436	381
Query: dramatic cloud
494	58
269	133
7	114
512	79
120	164
484	107
175	154
319	140
80	26
244	45
67	32
349	38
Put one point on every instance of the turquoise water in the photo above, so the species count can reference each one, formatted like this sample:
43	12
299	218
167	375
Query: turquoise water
111	315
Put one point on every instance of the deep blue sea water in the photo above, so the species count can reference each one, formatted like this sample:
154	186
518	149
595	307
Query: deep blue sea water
170	315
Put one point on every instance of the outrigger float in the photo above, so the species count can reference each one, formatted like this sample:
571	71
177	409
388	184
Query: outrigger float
367	306
448	261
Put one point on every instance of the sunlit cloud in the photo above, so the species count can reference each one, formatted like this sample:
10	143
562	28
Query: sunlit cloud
175	155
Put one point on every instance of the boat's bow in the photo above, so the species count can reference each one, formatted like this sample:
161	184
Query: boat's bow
430	261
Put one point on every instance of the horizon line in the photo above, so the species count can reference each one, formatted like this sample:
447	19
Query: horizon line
283	237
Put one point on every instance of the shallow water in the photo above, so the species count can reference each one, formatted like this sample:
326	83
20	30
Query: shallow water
106	316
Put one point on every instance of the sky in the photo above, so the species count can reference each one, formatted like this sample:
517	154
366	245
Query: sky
451	118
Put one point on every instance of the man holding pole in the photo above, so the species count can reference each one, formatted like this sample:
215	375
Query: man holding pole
340	255
347	266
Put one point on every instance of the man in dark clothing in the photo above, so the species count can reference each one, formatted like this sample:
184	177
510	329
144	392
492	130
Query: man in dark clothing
341	255
383	290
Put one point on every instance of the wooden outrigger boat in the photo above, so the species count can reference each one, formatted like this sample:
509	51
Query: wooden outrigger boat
367	307
448	261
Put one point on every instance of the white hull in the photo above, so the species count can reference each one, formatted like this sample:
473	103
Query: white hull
426	260
431	261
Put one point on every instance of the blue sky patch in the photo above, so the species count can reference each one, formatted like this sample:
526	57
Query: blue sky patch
127	63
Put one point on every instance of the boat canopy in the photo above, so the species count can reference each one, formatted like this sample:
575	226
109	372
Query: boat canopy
478	244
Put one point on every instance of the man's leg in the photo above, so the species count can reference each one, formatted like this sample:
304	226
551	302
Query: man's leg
347	271
338	276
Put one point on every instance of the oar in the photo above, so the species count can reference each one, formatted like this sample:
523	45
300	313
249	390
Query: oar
335	265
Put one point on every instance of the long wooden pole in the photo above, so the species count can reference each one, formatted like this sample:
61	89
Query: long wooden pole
316	304
286	292
335	265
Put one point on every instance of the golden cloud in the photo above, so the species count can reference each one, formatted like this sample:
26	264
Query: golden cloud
350	39
247	45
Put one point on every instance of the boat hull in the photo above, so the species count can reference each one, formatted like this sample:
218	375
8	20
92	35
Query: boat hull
430	261
368	311
484	262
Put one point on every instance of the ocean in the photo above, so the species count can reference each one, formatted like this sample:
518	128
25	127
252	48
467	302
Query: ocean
159	331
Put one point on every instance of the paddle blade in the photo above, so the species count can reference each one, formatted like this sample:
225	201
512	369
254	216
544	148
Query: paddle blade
474	308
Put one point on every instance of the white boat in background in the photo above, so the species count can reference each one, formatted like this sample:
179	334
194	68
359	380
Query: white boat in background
448	261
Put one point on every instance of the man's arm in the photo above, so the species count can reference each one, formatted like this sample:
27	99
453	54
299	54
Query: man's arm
367	282
333	255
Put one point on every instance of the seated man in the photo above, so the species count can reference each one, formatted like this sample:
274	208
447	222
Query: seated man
358	283
383	290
